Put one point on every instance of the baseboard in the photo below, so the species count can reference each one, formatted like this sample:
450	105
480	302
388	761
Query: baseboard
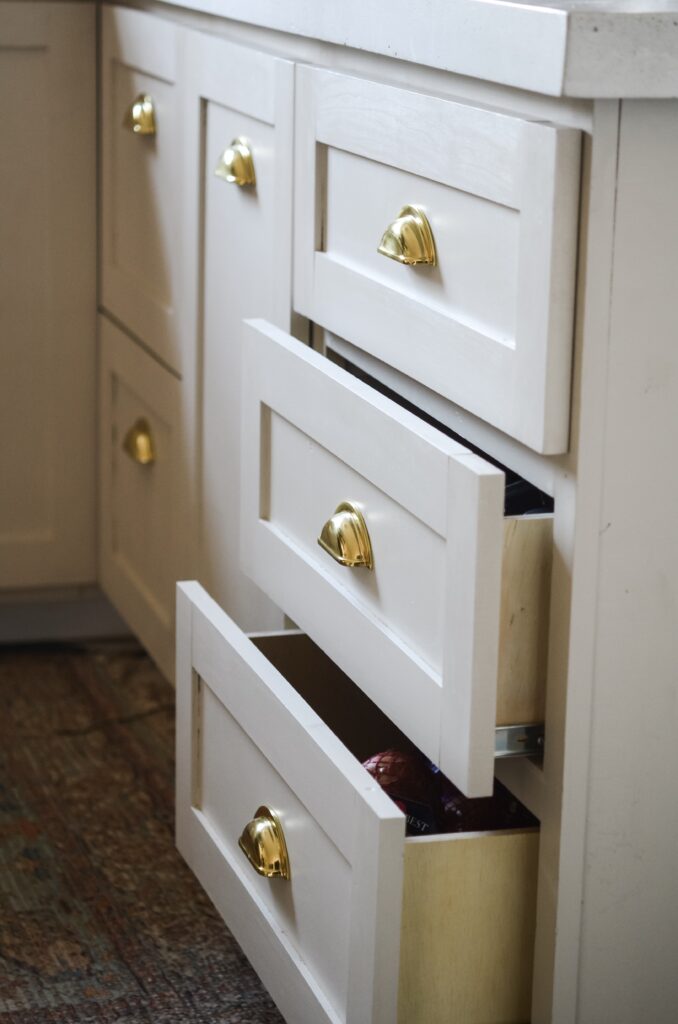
77	613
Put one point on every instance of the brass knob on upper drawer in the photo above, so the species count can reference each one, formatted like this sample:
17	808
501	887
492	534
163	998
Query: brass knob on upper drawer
236	164
345	537
263	843
139	444
140	117
409	238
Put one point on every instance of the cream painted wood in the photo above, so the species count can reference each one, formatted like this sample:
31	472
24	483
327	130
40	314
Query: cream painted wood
141	181
629	904
141	515
238	264
47	295
420	634
326	942
490	327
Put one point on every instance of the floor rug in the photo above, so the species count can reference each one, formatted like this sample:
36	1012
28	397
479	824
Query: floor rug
101	922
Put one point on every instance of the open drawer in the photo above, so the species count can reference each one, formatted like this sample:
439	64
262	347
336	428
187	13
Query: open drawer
370	926
447	632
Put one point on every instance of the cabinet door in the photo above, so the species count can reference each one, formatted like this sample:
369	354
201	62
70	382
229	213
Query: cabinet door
47	294
141	527
140	177
238	265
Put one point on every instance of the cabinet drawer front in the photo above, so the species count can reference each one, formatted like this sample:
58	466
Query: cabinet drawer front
139	531
246	738
369	927
420	632
243	235
490	325
140	179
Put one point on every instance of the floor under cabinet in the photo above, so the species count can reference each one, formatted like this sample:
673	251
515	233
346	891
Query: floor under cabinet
101	922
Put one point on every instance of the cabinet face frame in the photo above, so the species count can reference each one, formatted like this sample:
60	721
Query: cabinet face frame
222	81
144	298
519	383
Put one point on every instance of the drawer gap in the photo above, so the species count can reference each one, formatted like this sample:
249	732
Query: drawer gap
366	732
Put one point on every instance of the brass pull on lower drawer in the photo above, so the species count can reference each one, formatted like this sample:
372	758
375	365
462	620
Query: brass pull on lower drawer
139	443
345	537
263	843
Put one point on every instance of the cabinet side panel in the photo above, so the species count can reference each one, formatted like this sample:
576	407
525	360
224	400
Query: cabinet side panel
47	294
630	906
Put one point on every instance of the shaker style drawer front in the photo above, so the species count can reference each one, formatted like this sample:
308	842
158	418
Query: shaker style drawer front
306	858
441	238
139	428
140	179
447	625
238	173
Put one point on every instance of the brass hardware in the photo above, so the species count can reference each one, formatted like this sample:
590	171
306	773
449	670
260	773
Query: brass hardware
140	117
345	537
409	238
263	843
139	444
236	164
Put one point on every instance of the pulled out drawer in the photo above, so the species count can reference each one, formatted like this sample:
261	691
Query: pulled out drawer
477	210
368	926
447	631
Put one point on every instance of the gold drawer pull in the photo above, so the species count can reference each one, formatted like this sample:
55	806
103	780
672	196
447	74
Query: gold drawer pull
409	238
263	843
140	117
139	444
236	164
345	537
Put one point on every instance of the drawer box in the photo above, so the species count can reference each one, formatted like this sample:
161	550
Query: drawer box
371	927
447	634
490	326
140	507
140	179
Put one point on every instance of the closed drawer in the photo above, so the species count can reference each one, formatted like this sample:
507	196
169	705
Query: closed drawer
139	533
140	203
241	224
447	632
370	926
489	326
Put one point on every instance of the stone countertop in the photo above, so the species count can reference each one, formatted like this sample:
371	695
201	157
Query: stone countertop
580	48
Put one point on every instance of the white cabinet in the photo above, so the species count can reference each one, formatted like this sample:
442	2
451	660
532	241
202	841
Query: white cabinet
140	179
482	310
237	141
47	295
142	529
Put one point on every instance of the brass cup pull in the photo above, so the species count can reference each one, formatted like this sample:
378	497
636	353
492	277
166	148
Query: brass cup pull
140	117
409	238
236	164
345	537
139	444
263	843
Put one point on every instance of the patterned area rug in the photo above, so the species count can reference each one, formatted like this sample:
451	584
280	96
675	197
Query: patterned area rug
100	919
